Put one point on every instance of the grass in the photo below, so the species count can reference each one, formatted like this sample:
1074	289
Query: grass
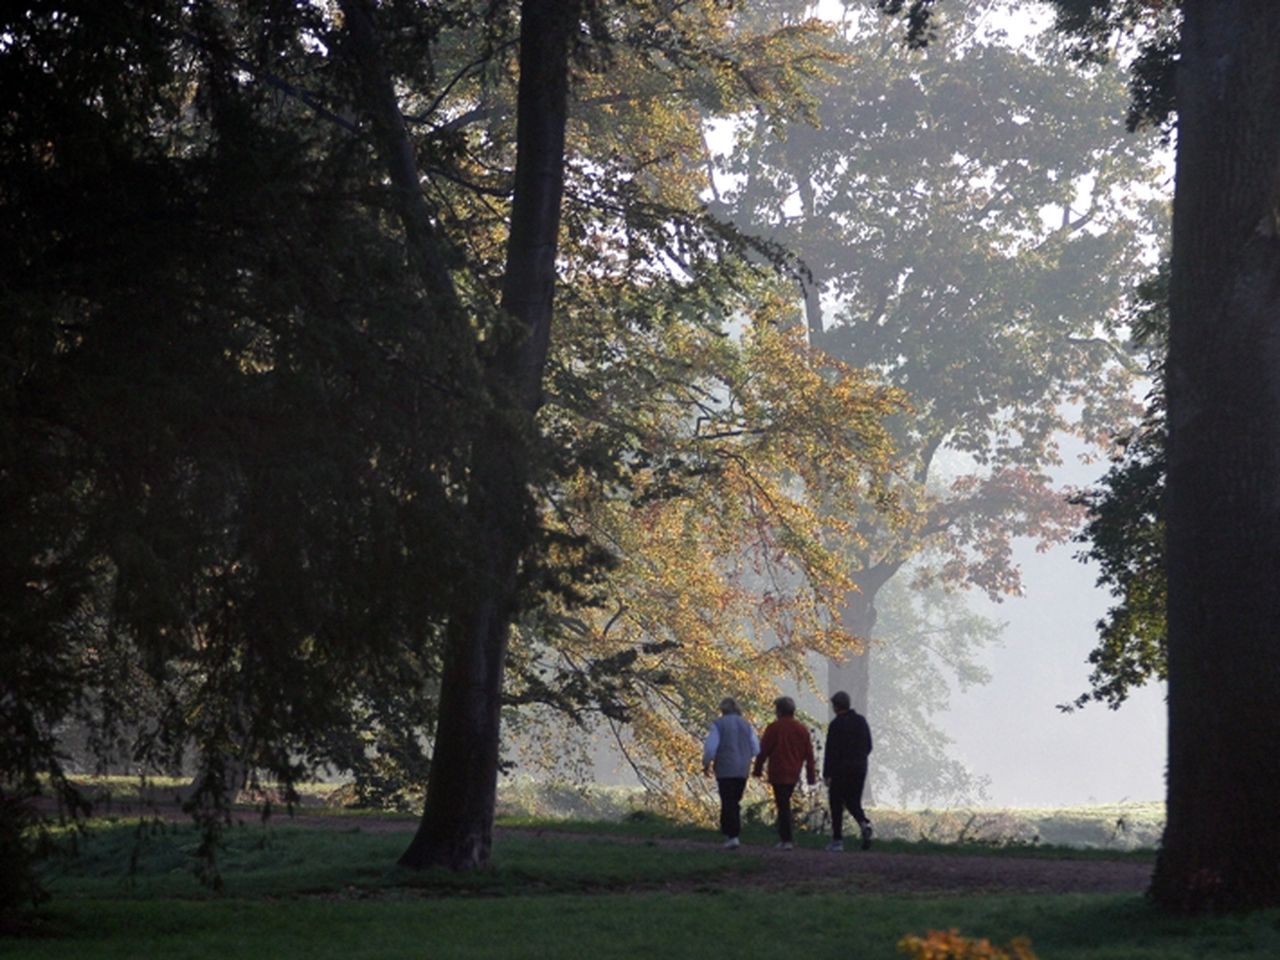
1109	827
294	892
141	860
738	923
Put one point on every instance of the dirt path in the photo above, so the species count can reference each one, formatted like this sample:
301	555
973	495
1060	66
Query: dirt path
870	871
875	872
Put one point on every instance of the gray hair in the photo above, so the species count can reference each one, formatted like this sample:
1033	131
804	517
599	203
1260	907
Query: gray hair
785	706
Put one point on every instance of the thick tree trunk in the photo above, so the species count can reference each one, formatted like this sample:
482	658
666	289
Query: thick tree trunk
457	822
1222	840
456	830
852	674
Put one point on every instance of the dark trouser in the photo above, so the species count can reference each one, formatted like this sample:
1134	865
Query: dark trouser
782	797
731	789
846	792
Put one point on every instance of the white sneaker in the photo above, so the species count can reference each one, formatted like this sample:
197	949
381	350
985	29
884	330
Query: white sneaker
785	846
835	846
731	844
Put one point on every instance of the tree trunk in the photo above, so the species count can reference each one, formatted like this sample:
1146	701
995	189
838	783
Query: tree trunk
208	788
456	830
853	673
1221	845
457	822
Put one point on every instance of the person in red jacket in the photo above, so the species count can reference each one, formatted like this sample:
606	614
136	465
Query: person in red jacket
787	747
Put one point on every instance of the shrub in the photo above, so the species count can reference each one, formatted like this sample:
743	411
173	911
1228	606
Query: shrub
950	945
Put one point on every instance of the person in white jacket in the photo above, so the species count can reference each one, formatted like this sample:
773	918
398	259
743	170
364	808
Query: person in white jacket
729	748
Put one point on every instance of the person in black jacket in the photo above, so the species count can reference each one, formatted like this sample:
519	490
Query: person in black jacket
844	769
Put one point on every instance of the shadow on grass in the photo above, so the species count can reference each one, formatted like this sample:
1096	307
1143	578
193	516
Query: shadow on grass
149	858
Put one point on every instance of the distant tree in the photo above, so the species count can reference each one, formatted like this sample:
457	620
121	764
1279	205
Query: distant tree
929	642
969	218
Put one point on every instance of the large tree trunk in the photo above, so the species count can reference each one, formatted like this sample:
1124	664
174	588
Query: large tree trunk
456	830
457	823
1222	840
852	673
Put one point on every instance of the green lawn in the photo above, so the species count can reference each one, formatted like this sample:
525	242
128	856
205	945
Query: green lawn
311	894
735	923
148	860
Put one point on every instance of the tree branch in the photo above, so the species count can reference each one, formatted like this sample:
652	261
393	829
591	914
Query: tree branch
398	156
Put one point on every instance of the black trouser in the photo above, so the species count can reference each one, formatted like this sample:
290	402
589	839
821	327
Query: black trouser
782	797
846	793
731	789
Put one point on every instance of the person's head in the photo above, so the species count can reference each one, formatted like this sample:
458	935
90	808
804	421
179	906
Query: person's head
784	707
840	701
729	705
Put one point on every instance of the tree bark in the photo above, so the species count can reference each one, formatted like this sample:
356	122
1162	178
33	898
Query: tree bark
852	674
1221	845
456	830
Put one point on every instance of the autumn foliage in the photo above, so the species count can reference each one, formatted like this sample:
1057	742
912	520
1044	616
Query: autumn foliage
731	538
950	945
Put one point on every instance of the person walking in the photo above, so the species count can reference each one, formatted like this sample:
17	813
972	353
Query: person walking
844	769
731	743
786	746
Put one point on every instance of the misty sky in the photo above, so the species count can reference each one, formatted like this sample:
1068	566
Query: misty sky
1011	729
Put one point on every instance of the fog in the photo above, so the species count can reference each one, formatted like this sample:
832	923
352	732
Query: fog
1011	730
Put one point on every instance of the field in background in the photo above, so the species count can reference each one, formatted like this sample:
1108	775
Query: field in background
1123	826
